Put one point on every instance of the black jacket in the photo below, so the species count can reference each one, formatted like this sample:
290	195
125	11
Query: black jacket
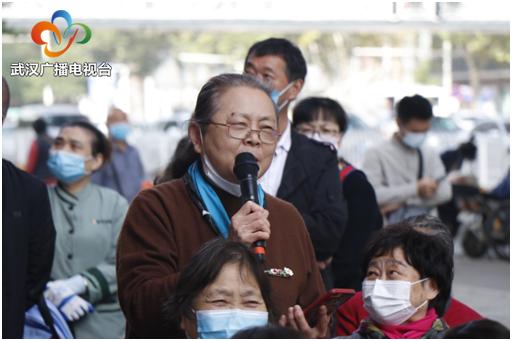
364	219
28	239
310	182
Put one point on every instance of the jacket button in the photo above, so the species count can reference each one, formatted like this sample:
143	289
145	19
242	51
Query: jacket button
70	256
71	231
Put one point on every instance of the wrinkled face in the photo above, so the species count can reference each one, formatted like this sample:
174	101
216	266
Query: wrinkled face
78	141
394	267
238	107
271	70
234	288
414	125
323	127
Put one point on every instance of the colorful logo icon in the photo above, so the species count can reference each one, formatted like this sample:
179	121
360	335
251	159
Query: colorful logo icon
70	32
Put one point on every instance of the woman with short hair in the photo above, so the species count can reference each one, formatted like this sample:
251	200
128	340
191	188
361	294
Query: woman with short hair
166	225
221	291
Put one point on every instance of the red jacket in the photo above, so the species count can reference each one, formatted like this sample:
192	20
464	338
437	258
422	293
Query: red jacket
350	314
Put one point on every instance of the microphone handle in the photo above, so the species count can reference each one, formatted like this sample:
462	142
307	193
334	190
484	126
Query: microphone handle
259	248
249	189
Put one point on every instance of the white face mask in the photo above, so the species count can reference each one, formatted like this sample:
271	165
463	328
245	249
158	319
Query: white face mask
414	140
219	181
324	138
388	302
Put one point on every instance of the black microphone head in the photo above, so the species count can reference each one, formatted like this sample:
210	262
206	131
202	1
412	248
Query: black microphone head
245	164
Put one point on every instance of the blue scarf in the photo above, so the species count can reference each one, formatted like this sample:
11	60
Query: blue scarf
211	200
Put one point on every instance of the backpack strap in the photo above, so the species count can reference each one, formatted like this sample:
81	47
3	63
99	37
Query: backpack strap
344	170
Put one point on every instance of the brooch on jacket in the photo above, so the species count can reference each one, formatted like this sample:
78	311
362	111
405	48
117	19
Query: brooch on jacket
284	272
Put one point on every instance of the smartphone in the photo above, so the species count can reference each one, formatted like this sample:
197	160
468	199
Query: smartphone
441	178
331	299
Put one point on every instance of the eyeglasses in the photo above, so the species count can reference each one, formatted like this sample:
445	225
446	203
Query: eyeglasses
322	131
241	131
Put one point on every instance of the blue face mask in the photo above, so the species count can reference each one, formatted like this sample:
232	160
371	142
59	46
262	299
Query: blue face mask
414	140
120	131
223	324
275	95
67	167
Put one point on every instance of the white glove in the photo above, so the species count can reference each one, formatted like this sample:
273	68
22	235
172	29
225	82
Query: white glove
77	284
63	297
74	307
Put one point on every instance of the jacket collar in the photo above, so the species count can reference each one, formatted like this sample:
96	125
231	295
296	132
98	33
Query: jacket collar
73	198
294	173
285	142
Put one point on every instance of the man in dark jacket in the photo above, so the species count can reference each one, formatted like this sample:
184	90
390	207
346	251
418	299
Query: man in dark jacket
28	239
303	172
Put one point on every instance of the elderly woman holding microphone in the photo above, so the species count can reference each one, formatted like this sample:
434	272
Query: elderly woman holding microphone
166	225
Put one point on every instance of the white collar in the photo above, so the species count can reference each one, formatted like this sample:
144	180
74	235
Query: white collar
285	141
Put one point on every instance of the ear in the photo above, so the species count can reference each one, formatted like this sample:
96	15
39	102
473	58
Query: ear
96	162
431	289
295	89
194	134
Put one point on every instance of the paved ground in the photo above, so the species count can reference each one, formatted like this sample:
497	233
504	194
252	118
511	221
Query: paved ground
484	285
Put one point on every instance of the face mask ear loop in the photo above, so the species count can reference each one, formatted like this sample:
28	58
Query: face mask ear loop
282	92
420	281
421	305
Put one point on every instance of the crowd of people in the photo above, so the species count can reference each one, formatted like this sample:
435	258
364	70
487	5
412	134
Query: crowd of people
177	260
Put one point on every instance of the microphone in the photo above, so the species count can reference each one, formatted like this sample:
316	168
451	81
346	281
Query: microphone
246	170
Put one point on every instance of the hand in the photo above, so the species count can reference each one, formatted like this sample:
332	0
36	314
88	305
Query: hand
426	188
74	308
322	264
250	224
296	320
77	284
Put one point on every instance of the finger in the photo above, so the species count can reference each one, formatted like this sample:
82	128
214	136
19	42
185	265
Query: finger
322	325
85	309
282	320
246	208
257	225
291	318
259	236
79	311
248	237
258	215
253	207
300	318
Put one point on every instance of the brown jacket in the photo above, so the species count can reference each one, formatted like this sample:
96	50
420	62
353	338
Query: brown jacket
164	229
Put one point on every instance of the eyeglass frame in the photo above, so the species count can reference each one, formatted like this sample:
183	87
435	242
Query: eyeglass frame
331	133
249	131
